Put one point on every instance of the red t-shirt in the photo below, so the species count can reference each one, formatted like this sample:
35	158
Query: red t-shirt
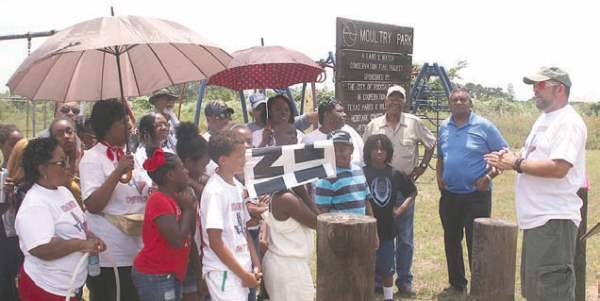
158	256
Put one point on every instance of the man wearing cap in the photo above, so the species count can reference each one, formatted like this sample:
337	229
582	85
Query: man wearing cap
218	116
163	101
405	131
464	179
550	170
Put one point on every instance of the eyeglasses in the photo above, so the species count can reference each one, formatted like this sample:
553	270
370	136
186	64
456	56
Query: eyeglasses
63	163
67	109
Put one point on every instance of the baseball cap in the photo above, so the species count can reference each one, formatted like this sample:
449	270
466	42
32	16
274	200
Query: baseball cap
548	73
217	108
162	92
396	88
257	99
340	136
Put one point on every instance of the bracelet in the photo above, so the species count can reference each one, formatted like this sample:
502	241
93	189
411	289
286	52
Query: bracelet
517	165
487	175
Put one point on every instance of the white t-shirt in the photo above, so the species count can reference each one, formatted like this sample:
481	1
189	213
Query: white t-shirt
94	169
222	207
46	214
357	154
140	156
257	138
556	135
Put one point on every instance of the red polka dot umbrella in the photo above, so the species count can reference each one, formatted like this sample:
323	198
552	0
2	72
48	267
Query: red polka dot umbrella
266	67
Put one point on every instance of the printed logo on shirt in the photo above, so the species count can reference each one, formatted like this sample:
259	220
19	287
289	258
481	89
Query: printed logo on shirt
79	225
382	191
135	199
239	225
241	248
68	206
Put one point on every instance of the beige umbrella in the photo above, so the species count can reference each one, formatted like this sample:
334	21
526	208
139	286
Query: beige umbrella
82	62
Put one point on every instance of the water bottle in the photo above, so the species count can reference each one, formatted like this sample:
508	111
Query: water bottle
93	265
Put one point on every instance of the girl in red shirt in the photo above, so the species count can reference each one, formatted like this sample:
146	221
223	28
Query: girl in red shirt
169	219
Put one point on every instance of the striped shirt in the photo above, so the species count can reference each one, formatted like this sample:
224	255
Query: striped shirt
347	193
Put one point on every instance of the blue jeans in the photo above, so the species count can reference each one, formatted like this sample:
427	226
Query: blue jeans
158	287
404	246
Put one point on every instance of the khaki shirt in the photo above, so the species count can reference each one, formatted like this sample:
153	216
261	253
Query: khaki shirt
405	137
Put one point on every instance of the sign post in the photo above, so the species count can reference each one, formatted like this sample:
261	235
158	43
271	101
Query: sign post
370	57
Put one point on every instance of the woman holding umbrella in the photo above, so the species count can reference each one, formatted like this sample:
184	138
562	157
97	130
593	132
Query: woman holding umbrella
111	204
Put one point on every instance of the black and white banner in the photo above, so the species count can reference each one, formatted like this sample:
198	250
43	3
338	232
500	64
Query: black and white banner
277	168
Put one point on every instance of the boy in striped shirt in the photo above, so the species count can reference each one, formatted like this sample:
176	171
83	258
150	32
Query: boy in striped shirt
348	191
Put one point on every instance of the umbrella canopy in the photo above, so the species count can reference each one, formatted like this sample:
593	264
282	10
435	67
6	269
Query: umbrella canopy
79	63
264	67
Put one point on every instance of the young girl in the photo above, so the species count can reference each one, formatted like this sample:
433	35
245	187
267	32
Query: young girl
192	149
169	219
387	187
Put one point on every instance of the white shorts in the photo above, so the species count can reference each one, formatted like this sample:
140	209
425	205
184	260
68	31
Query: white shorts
225	286
287	279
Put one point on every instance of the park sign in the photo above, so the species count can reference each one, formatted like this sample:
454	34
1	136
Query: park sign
370	57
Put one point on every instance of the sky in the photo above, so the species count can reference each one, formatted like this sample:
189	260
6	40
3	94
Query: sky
501	40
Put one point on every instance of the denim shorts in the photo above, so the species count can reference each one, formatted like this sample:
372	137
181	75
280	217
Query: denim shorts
156	287
384	265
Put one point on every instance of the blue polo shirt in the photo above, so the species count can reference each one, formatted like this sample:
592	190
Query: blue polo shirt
463	148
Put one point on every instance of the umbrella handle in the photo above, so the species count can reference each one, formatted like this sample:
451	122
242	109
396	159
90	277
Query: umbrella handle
125	178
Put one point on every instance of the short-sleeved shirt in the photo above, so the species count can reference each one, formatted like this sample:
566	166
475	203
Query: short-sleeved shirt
409	131
357	142
558	135
222	207
388	188
347	192
130	198
257	138
462	149
158	256
46	214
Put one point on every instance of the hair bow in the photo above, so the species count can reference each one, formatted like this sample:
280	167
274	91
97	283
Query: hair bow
155	161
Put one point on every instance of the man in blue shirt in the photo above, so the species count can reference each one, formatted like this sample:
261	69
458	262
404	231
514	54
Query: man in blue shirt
464	179
348	191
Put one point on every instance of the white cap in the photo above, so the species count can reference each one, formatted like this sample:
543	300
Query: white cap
396	88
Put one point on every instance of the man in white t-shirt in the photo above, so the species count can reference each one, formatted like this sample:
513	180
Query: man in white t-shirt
332	117
550	170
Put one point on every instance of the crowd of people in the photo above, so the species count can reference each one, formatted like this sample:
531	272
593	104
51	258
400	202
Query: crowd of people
172	219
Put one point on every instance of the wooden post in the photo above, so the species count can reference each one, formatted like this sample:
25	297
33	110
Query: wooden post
580	249
345	257
493	260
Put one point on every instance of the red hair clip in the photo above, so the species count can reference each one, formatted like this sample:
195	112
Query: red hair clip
156	161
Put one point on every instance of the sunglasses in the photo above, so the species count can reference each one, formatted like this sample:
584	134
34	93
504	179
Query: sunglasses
546	84
66	110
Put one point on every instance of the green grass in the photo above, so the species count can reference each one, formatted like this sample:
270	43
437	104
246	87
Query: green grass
429	266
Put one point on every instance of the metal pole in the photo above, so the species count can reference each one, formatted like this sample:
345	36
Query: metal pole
201	89
302	98
126	126
33	117
244	109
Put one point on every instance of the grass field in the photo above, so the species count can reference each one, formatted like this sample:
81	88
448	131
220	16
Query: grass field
429	267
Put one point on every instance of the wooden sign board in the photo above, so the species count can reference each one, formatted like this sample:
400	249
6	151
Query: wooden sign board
370	57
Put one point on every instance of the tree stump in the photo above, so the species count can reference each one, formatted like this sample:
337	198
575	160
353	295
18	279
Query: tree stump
345	257
493	260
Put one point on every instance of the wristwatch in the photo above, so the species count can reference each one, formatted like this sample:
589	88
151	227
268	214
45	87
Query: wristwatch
423	165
